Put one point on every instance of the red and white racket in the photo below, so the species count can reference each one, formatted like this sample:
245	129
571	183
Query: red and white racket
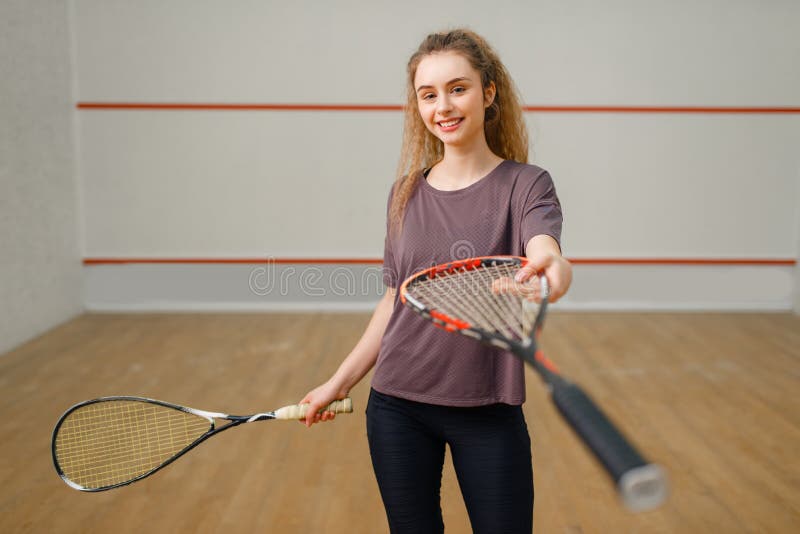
478	297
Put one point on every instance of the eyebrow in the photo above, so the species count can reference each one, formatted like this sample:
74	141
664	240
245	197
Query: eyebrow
454	80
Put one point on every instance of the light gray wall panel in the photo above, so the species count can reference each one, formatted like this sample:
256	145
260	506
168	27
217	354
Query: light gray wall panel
40	269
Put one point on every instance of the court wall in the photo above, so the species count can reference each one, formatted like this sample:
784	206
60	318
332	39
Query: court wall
222	138
40	256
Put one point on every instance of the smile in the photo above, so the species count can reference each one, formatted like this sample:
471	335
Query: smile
450	123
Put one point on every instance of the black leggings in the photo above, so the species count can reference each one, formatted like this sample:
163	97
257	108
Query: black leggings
491	452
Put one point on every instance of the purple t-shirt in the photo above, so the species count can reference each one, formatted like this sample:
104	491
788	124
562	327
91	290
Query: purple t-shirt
496	215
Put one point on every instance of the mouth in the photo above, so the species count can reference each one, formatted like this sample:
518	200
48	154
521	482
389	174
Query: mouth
449	124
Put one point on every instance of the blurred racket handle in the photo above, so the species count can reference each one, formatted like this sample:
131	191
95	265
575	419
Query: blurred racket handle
641	485
298	411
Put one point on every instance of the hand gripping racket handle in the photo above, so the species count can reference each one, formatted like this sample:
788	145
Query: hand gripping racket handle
642	485
298	411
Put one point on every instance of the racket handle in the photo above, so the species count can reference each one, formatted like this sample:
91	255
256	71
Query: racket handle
298	411
641	485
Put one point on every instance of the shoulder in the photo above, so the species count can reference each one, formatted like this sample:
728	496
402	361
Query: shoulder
527	181
397	185
526	172
404	182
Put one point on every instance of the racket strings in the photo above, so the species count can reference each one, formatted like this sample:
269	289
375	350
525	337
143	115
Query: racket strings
462	295
111	442
448	294
468	294
503	307
510	306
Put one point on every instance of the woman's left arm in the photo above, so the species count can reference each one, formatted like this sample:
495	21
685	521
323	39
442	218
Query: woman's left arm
544	255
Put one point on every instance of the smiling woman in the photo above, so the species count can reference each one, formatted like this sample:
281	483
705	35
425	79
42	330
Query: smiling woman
464	183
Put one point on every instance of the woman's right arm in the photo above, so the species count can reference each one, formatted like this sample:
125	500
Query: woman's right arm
355	366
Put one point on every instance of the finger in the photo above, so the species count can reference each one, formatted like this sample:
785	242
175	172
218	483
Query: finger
560	277
304	400
538	262
311	413
555	287
525	273
327	416
530	290
503	285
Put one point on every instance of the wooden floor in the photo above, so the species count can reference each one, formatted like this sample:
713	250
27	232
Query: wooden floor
713	398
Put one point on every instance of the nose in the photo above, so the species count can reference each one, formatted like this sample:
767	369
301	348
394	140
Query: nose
443	104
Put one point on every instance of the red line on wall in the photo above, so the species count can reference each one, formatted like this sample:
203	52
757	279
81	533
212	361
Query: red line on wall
286	261
682	261
177	106
378	261
238	107
660	109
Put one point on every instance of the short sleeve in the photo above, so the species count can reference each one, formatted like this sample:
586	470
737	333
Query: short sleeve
389	266
389	270
541	213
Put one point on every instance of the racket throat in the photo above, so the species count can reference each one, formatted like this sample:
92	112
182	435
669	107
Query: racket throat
529	352
257	417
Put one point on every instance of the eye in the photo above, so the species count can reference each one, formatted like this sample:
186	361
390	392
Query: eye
459	89
427	96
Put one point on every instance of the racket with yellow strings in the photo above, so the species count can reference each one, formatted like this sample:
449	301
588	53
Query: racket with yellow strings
110	442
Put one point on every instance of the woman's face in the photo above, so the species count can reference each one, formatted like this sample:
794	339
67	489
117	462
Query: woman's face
450	98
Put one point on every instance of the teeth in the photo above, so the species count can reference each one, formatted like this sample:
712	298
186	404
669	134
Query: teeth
449	123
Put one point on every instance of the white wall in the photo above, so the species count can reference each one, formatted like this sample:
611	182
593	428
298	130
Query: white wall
233	184
40	263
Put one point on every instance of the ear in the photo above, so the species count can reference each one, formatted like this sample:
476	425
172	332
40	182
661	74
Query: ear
489	94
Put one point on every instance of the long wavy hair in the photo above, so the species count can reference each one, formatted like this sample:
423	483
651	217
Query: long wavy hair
504	125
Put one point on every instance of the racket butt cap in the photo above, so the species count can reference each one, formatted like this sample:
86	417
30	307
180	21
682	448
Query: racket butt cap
644	487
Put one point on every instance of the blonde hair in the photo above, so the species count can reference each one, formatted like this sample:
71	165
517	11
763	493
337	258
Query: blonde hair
504	125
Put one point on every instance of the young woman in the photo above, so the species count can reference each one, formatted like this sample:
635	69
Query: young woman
464	189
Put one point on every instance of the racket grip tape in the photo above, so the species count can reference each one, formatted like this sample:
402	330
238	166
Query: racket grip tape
298	411
641	485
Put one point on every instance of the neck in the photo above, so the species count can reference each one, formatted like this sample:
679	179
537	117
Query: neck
462	166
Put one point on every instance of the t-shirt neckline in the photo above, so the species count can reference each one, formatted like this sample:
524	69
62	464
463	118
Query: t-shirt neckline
471	187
